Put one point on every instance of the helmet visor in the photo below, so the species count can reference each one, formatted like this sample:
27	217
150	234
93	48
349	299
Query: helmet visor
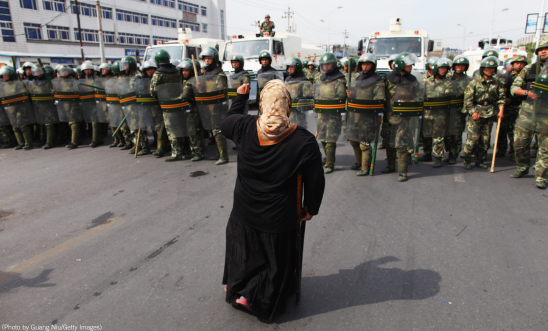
410	59
124	65
328	66
37	71
64	72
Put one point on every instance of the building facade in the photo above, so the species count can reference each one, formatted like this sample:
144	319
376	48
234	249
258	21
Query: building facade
49	28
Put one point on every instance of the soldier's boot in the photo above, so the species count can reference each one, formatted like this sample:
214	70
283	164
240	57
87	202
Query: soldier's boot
116	139
482	165
129	143
75	137
330	149
366	160
176	150
437	162
20	138
391	159
446	158
403	163
50	137
197	147
121	139
520	173
452	159
96	135
27	135
143	144
467	164
358	153
427	157
223	150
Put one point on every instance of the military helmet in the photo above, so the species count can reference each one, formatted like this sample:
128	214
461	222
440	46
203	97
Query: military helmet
75	72
391	59
149	64
461	59
63	70
430	62
349	61
239	58
48	70
368	58
115	68
175	62
489	62
265	54
162	56
265	16
305	63
128	62
27	65
339	65
86	65
37	70
96	68
104	66
187	64
441	63
491	52
311	63
543	44
210	52
7	70
519	58
294	62
20	71
328	58
404	59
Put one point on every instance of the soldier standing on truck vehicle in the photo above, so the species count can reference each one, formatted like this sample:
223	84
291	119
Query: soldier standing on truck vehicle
267	26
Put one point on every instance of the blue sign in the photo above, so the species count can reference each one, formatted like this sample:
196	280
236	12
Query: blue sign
133	52
62	60
531	24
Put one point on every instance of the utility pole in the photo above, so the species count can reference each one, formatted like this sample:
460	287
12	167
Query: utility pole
79	30
345	33
101	45
289	16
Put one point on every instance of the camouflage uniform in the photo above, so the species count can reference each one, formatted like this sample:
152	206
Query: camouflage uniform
511	112
299	91
216	118
158	79
23	133
434	89
482	97
267	27
454	145
240	80
7	139
313	75
142	144
425	142
197	141
72	108
541	166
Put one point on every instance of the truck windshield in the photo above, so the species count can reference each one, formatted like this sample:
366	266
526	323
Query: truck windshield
389	46
248	49
175	52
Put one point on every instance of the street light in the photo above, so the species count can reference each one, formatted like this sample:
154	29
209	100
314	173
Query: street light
463	36
493	21
329	26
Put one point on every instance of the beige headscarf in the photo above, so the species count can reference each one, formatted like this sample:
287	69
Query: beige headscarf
275	105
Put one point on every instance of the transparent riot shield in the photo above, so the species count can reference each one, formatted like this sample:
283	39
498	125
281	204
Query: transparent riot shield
264	78
405	111
16	103
176	109
115	114
145	104
101	100
302	104
329	104
67	99
437	102
457	104
87	100
533	114
128	102
43	102
233	82
366	101
210	93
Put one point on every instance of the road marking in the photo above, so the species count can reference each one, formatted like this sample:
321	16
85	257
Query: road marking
16	270
459	178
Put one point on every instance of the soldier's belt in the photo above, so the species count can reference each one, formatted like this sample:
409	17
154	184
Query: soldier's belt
146	100
407	109
302	104
441	103
113	99
365	106
87	96
66	96
211	98
15	99
329	106
42	97
172	106
457	101
128	99
232	93
100	95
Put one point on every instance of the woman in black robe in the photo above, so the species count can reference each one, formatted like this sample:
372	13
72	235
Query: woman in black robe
259	273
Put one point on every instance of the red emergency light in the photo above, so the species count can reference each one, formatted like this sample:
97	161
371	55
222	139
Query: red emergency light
159	42
234	37
377	33
266	34
416	31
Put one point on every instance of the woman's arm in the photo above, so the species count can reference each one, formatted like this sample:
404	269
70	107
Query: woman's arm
229	125
313	177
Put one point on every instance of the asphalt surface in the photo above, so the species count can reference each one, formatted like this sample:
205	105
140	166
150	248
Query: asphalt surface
94	237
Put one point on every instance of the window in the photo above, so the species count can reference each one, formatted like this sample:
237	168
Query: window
129	16
165	3
190	25
162	21
108	37
188	7
91	10
5	11
106	12
93	35
58	32
204	27
32	31
56	5
203	10
132	39
7	32
156	39
222	24
28	4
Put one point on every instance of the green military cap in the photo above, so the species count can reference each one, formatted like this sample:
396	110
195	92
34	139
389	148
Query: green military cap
519	58
162	56
541	45
265	16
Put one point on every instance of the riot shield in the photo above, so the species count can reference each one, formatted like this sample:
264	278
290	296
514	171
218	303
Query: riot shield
87	100
233	82
43	102
365	105
101	100
405	111
115	114
264	78
457	104
437	101
16	103
533	114
302	104
176	109
67	99
210	93
128	102
145	104
329	104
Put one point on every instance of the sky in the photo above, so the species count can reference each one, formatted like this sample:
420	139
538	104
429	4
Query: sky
361	17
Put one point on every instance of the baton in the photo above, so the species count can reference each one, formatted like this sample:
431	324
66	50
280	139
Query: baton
417	142
45	72
372	170
495	147
121	123
94	86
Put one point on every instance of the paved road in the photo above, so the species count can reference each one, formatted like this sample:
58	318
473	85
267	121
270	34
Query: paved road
95	237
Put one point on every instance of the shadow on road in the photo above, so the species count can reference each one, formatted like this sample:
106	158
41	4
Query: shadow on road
10	281
367	283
